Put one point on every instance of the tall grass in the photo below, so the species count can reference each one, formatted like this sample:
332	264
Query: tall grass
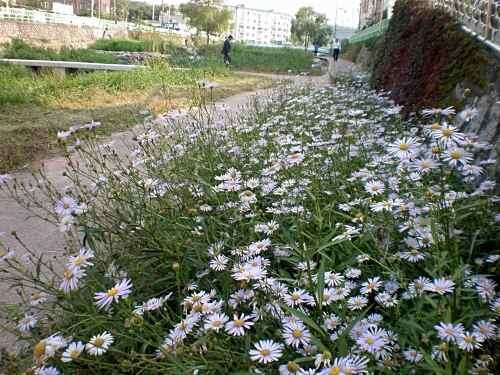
264	59
19	85
19	49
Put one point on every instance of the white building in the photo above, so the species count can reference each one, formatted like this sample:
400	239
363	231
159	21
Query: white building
261	27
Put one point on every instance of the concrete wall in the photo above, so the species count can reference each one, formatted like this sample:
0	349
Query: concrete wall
53	35
486	124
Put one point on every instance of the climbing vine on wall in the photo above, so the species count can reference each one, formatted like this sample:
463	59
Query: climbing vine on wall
424	56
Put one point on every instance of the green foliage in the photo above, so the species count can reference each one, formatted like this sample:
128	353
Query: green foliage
18	49
309	27
141	42
351	50
128	45
261	59
207	16
271	216
424	55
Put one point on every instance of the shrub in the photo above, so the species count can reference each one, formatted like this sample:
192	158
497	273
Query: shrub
19	49
424	56
315	220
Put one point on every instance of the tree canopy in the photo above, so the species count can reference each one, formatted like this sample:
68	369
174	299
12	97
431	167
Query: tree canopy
311	27
208	16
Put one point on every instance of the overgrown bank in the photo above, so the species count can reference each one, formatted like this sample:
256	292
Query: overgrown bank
424	56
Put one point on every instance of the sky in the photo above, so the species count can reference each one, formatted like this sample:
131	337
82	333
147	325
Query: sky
346	10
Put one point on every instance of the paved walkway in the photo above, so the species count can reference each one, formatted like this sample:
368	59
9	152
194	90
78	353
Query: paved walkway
43	237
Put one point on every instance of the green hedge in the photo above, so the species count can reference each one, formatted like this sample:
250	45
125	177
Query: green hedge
19	49
424	55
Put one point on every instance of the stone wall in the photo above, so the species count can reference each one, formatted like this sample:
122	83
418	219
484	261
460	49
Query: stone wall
486	122
54	35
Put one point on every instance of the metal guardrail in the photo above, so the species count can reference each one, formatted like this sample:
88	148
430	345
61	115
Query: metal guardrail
370	32
69	64
480	16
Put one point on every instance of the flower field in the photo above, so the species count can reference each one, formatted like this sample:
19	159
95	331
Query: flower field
317	233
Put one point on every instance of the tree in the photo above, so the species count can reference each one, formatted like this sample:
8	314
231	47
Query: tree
207	15
323	35
309	26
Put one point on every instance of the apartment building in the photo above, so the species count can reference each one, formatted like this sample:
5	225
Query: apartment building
373	11
261	27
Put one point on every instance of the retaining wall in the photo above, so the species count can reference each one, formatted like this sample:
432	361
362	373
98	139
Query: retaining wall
54	35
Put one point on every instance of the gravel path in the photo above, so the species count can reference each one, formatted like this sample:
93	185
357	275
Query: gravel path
43	237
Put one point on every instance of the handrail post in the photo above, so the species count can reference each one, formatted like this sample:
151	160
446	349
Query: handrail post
488	25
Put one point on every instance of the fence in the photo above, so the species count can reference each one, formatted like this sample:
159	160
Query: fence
370	32
40	16
480	16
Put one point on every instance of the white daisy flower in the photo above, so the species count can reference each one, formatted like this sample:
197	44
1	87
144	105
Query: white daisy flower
216	322
103	300
266	351
71	277
27	323
441	286
99	344
73	351
469	341
238	325
412	355
449	332
296	334
375	187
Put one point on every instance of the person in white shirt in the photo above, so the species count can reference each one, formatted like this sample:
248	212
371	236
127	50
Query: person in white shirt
336	49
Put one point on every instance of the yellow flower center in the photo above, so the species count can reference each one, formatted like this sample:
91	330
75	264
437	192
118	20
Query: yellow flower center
99	342
334	371
292	367
265	352
370	340
74	353
39	350
66	205
68	274
79	260
468	339
295	296
447	132
217	323
239	322
455	155
112	292
297	333
404	147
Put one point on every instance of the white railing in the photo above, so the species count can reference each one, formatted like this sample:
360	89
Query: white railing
40	16
480	16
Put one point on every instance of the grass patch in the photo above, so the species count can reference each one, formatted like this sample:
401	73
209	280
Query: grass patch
263	59
35	107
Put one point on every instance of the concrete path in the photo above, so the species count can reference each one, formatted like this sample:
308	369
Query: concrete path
45	238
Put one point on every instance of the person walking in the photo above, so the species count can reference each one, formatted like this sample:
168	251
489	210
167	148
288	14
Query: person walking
316	49
336	49
226	50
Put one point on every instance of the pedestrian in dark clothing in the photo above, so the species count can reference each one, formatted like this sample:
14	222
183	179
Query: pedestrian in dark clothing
316	49
226	50
336	49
